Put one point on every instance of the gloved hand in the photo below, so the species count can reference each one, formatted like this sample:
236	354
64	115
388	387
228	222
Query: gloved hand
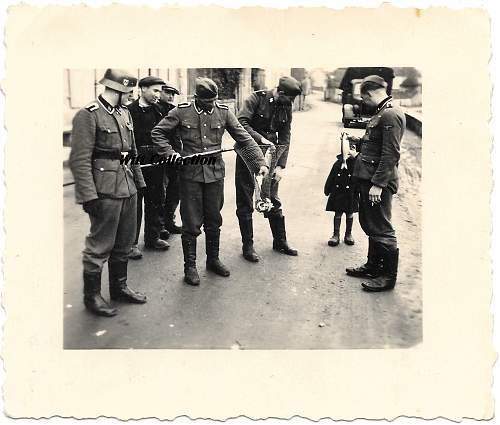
92	207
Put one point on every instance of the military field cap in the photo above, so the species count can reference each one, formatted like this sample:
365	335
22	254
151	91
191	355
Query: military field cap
290	86
206	89
119	80
169	87
150	81
375	79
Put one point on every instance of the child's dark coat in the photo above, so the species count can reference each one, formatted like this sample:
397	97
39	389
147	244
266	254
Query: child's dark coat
339	187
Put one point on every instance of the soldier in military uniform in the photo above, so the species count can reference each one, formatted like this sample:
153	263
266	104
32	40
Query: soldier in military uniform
102	132
172	173
376	171
197	127
267	116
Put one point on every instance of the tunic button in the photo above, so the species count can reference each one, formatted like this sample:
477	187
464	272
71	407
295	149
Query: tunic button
347	187
373	162
337	185
218	126
338	175
101	169
205	148
204	137
109	131
188	126
204	125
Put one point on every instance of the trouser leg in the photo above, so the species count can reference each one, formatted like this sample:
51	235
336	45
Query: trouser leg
154	197
375	220
245	186
101	239
171	200
191	209
140	198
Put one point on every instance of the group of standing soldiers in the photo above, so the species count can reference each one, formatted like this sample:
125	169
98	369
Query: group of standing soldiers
112	192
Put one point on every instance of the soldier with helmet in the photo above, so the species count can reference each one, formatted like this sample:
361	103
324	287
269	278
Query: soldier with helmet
267	116
376	171
102	133
198	127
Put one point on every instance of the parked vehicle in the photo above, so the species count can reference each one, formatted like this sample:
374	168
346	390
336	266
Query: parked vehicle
354	112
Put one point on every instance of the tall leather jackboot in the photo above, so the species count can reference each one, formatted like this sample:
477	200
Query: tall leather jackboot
280	244
212	240
191	276
118	289
387	279
92	298
246	230
371	269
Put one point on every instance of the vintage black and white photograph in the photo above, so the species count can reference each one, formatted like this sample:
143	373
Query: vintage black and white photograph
242	208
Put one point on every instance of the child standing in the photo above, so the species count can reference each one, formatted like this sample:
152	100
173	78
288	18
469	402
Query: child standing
342	197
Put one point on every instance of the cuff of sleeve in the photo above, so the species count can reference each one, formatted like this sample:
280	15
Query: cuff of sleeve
379	184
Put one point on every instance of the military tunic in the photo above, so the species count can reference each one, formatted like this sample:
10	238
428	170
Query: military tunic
189	130
101	134
377	164
257	117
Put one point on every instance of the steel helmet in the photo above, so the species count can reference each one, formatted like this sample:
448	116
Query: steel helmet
119	80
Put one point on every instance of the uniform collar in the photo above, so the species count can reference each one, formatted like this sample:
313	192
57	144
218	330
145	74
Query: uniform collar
199	111
109	108
384	103
270	97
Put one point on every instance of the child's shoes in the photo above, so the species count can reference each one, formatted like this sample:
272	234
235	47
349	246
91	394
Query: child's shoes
334	240
348	239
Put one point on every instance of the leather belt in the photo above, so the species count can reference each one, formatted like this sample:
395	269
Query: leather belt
113	155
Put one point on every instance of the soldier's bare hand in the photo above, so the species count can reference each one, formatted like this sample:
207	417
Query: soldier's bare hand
278	173
374	195
263	171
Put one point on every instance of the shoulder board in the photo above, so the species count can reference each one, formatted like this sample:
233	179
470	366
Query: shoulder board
260	92
184	105
389	105
92	106
222	106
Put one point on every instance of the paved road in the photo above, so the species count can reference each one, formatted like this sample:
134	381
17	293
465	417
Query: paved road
304	302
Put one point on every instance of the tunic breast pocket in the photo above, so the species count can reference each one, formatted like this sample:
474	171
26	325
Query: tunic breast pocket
190	129
108	137
217	129
105	174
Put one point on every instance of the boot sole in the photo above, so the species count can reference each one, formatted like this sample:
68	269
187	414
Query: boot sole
281	251
102	313
128	300
375	289
152	248
191	283
251	258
